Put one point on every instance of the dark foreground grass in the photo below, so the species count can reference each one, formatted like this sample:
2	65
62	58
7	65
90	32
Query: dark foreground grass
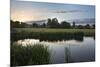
29	55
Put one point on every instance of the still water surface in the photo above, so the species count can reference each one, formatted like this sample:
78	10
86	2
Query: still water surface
73	50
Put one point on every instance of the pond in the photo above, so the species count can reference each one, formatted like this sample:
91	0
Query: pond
67	50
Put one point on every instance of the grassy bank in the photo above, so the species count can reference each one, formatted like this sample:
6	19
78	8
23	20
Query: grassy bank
29	55
50	34
87	32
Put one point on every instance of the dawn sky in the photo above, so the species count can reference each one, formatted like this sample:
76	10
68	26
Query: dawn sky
32	11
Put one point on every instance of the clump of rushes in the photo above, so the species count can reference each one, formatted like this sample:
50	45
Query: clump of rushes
29	55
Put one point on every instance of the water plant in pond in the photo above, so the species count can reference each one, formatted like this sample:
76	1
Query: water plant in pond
68	58
29	55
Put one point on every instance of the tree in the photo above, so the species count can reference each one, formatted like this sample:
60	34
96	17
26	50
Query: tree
23	25
49	23
15	24
80	27
93	26
11	23
54	23
65	24
73	25
43	25
87	26
35	25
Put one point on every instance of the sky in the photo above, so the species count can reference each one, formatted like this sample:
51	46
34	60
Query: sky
33	11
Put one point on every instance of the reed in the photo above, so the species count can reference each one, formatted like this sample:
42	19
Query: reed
50	34
29	55
68	58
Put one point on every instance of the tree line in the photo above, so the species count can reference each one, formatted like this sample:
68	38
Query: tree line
51	23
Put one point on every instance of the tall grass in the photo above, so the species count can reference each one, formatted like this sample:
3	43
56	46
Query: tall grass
51	34
29	55
87	32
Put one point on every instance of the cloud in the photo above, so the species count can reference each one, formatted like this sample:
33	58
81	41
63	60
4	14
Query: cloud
68	11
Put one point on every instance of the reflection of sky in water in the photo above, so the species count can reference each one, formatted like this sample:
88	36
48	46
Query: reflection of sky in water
80	51
84	53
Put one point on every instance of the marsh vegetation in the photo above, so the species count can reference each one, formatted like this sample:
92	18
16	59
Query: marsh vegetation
50	34
53	41
29	55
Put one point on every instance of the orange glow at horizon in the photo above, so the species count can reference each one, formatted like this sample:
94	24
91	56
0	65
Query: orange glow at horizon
25	15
